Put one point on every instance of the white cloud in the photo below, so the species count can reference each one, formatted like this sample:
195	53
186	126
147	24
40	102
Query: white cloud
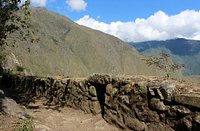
159	26
77	5
39	2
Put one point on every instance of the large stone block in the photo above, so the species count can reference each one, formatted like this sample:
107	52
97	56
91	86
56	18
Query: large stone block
100	79
188	99
178	110
141	88
109	89
163	91
196	117
113	118
92	91
158	105
167	90
95	107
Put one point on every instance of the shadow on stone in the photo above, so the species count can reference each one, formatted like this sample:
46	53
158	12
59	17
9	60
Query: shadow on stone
20	97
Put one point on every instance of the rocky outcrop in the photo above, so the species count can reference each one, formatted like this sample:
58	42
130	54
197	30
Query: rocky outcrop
10	107
133	102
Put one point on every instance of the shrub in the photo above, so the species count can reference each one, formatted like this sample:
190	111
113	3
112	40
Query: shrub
163	62
24	125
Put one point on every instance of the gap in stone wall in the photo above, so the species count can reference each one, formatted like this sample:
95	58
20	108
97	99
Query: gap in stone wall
101	90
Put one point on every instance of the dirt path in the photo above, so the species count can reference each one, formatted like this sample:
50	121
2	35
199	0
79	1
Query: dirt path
49	118
66	119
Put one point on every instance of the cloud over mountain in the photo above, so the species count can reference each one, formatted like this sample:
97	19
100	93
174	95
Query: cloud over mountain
77	5
159	26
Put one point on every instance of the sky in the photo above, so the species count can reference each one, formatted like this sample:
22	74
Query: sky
133	20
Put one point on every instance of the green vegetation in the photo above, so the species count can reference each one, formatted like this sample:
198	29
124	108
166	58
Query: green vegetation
19	68
9	20
24	125
3	54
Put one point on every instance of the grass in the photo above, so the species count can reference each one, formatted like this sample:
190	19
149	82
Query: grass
24	125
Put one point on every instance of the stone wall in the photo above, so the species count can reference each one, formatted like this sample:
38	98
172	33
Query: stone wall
133	102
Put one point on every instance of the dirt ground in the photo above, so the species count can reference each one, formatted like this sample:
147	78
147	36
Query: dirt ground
7	122
51	118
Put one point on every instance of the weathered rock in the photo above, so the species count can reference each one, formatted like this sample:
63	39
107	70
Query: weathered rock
113	118
151	91
167	90
109	89
135	124
124	99
107	100
85	104
146	115
186	122
188	99
140	88
179	110
142	83
155	92
9	106
160	94
163	91
125	110
100	79
127	88
92	91
158	105
82	86
196	117
95	107
93	98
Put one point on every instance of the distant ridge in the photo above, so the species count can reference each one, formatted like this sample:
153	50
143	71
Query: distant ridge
182	50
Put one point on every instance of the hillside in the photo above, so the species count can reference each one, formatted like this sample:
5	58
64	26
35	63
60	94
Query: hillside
182	51
57	46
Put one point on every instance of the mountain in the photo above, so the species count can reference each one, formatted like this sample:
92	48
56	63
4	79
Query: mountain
54	45
182	51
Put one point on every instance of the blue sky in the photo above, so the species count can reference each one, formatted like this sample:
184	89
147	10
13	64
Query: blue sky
122	10
133	20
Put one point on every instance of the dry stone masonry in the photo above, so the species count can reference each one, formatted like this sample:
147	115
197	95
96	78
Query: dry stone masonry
135	102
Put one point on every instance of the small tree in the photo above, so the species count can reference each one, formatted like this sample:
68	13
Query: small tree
10	21
8	17
163	62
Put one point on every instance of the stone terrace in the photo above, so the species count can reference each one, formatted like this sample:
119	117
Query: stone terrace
129	102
